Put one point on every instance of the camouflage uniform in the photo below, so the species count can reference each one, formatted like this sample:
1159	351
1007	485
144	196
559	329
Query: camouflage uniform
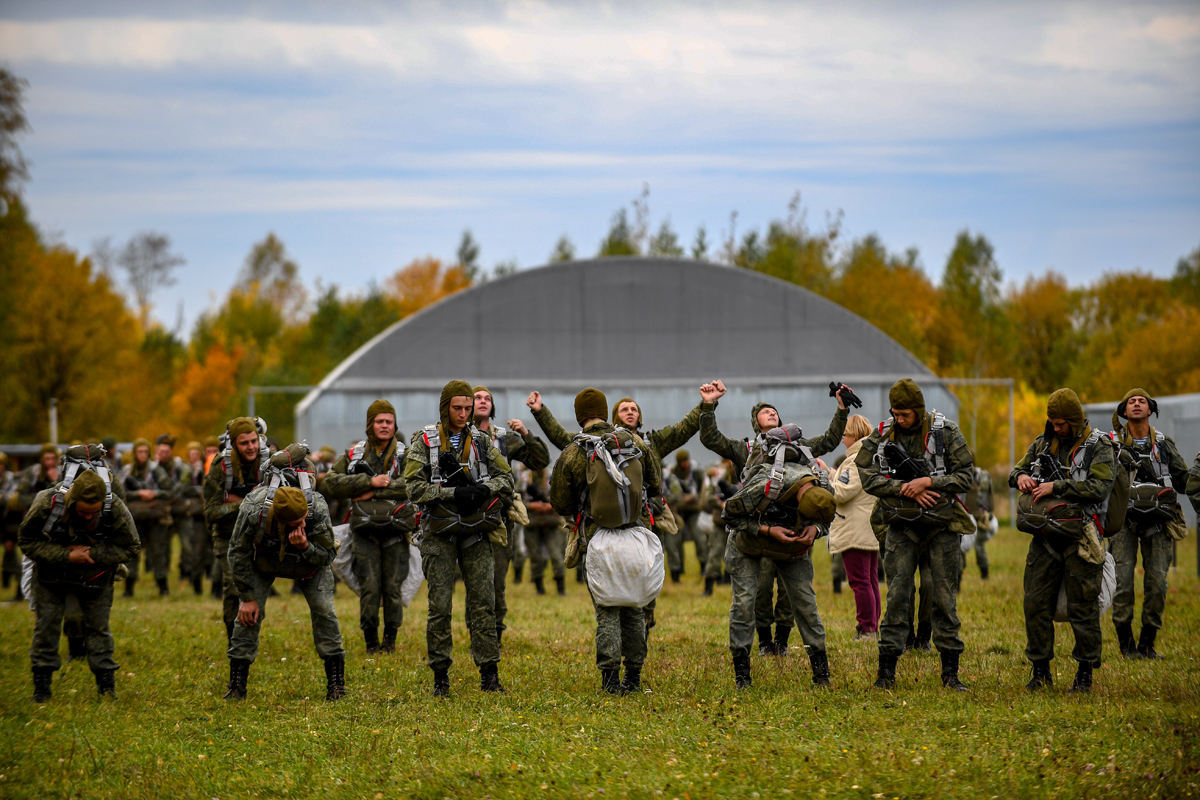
620	631
183	505
691	484
310	568
442	553
201	554
981	501
153	519
55	579
221	516
545	532
738	452
381	554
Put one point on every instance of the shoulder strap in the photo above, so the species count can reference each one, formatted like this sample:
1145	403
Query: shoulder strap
937	431
433	441
501	440
355	455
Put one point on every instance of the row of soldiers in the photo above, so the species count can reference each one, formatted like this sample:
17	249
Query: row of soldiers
451	492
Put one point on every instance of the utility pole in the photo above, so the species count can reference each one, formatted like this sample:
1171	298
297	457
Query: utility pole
54	420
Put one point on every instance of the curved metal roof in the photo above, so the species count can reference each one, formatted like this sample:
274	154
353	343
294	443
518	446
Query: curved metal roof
632	320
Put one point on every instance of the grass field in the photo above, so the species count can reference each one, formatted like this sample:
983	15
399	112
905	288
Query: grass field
691	736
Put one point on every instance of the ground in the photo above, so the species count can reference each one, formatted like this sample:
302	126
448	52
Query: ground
690	736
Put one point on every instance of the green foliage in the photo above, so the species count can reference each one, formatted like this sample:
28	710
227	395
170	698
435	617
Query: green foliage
620	240
468	256
13	167
700	244
665	243
1185	284
693	735
564	249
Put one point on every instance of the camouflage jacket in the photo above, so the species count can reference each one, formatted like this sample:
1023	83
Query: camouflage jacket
151	476
31	483
738	451
530	450
1090	491
322	547
1193	484
219	514
960	464
118	544
569	481
440	499
1176	467
664	441
341	485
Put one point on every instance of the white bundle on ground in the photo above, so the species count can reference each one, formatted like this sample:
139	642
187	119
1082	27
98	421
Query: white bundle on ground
1108	587
624	567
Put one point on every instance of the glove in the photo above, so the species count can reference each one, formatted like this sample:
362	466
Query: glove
848	397
470	499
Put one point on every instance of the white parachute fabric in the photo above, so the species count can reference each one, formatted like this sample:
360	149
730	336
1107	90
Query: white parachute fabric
1108	587
416	576
343	562
967	543
624	567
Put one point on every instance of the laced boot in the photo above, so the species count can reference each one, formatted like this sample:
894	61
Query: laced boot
708	586
371	638
42	677
766	645
741	671
632	683
76	648
820	668
239	672
489	678
106	682
517	573
1146	643
561	583
1041	676
782	632
885	678
950	673
1083	679
389	639
924	634
539	583
610	681
441	683
335	678
163	588
1125	641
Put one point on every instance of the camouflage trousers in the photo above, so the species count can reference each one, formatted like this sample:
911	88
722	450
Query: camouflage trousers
440	555
691	532
229	595
620	636
768	579
1045	574
981	556
381	565
901	559
672	544
157	547
717	540
1157	552
796	578
920	598
318	592
146	530
502	555
553	539
189	533
50	605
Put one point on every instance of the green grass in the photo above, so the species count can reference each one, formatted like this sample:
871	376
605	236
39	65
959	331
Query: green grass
692	736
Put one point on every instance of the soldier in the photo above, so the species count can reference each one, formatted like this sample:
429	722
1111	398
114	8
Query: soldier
369	476
9	521
720	489
151	492
980	502
76	551
458	478
744	453
187	499
231	477
1151	515
283	530
620	631
545	536
516	444
38	478
691	484
1071	466
112	459
200	552
916	463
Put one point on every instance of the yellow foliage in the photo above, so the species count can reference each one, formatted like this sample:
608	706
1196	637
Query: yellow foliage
423	282
203	393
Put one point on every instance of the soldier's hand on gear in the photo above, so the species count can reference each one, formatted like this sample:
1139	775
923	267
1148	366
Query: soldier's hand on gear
534	401
298	538
779	533
78	554
381	481
822	465
146	494
1043	490
914	488
808	535
518	427
927	498
248	613
1026	483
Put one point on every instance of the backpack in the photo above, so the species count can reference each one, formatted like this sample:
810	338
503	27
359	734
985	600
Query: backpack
613	498
270	554
386	514
759	499
1109	514
77	460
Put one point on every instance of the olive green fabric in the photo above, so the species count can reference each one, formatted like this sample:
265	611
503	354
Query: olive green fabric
452	389
109	443
616	420
682	456
906	395
166	438
87	488
590	404
289	505
212	441
380	406
482	388
193	445
138	442
816	505
1064	404
50	447
239	425
754	414
328	453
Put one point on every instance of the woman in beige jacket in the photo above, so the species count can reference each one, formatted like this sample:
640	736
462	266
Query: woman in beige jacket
851	534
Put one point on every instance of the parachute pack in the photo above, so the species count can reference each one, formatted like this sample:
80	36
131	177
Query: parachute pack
1055	515
614	494
75	461
894	462
1152	498
227	453
288	467
378	513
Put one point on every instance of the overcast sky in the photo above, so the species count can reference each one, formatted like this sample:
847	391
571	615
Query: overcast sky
1068	134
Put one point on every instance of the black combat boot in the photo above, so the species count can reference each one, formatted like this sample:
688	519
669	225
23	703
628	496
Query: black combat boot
335	678
924	634
983	572
198	584
632	683
561	583
489	678
741	671
1146	643
1083	679
218	588
518	572
163	588
782	632
885	678
371	638
675	574
388	645
106	682
579	576
539	584
42	676
837	585
610	681
1125	641
76	648
239	672
441	683
820	668
129	584
708	586
950	673
766	644
1041	676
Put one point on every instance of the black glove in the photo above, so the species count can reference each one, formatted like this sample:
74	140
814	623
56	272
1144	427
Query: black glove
848	397
470	499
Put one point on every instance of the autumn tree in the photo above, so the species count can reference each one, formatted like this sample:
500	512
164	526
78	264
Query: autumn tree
423	282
